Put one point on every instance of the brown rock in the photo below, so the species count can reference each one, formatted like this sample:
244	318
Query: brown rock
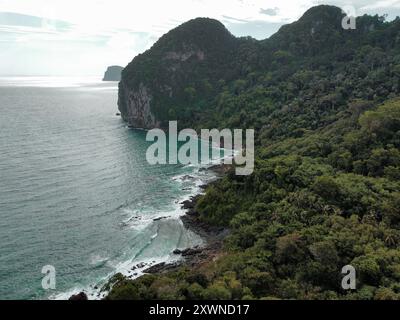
79	297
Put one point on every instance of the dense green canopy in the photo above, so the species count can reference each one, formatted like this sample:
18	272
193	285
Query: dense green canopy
326	188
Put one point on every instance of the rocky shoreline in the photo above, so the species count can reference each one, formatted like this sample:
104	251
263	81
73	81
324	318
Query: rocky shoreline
212	236
197	256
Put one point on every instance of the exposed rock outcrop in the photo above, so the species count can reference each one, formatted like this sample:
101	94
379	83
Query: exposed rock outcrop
135	107
79	297
113	73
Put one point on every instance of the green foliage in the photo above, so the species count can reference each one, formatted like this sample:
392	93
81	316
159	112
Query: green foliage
217	292
325	192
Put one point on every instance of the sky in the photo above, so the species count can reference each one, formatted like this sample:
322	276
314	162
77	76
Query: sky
82	38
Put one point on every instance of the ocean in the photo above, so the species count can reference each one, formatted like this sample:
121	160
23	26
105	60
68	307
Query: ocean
77	193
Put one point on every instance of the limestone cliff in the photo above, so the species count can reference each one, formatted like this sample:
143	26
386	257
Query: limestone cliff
174	79
134	105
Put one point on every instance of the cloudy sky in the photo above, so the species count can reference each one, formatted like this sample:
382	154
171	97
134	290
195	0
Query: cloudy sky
70	37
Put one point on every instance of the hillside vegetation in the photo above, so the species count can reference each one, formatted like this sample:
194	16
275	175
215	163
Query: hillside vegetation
326	188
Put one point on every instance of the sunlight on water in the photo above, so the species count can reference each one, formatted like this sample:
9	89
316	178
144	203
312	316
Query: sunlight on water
54	82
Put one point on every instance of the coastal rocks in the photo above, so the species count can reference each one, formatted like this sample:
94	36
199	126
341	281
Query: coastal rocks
211	233
161	218
187	204
187	178
161	267
188	252
190	204
79	297
139	266
221	169
134	105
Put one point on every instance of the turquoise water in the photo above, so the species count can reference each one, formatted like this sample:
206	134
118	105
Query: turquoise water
76	191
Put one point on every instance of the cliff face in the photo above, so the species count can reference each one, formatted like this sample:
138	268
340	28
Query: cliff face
113	73
138	104
166	82
135	108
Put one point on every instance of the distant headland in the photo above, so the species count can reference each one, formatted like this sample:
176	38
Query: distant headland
113	73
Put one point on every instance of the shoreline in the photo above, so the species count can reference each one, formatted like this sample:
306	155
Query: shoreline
213	236
192	256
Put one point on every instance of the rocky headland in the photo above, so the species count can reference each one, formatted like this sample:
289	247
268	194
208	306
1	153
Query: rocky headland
113	73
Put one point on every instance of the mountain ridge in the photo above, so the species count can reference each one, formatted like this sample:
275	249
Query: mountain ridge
159	74
181	76
325	192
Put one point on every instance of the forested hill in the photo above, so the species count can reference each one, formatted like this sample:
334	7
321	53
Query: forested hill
326	188
203	76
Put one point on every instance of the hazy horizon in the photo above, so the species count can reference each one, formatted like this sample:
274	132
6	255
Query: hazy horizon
57	38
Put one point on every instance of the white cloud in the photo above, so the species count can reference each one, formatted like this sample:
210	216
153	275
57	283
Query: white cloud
153	15
382	4
102	32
